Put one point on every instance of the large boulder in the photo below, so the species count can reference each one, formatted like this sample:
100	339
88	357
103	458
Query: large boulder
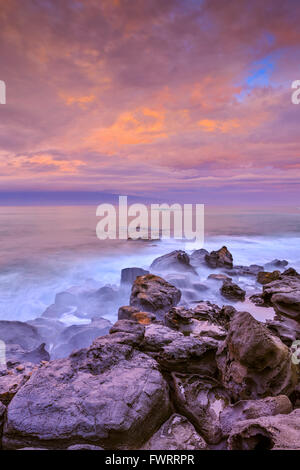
108	395
220	259
176	434
280	432
129	275
151	293
250	409
177	260
253	362
284	295
201	400
197	258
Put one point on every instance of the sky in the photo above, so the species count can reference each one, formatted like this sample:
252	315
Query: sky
185	100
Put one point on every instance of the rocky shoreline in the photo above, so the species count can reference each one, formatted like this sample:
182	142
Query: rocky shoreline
176	371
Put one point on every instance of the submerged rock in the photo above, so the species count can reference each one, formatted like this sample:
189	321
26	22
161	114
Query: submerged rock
251	270
253	362
129	275
176	434
220	259
273	432
23	334
178	261
197	258
151	293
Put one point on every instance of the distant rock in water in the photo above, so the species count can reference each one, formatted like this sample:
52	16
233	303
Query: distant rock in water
276	263
152	293
177	260
265	277
220	259
23	334
129	275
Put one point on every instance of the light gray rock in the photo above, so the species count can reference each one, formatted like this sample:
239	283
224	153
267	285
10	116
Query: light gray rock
176	434
23	334
129	275
176	261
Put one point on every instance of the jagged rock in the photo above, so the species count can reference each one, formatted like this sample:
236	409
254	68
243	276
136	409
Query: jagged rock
232	291
132	313
201	400
284	295
176	434
290	272
250	409
176	352
276	263
251	270
129	275
16	332
197	258
187	319
265	277
220	259
79	336
11	380
258	300
272	432
2	413
108	395
199	321
253	362
151	293
286	329
177	260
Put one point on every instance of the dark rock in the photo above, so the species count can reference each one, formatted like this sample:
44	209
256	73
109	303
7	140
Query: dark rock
108	395
250	409
16	332
220	259
176	352
290	272
177	260
129	275
201	400
280	432
176	434
2	414
232	291
265	277
197	258
258	300
253	362
151	293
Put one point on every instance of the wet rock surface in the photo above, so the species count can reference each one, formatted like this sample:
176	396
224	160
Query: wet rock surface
178	261
232	291
219	259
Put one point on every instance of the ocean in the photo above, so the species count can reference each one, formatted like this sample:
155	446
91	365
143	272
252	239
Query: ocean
46	250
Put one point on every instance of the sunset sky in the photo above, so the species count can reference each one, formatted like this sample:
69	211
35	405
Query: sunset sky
182	99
